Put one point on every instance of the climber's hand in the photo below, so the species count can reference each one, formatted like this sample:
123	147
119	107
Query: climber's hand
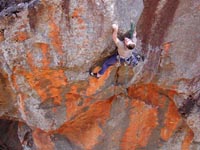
115	26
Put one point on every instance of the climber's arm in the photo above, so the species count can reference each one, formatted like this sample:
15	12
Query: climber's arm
134	33
115	31
134	39
132	30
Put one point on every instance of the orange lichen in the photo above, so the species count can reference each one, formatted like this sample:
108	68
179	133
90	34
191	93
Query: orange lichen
75	102
84	129
143	120
21	96
47	83
40	138
54	34
152	94
30	61
77	12
82	27
22	107
96	84
172	119
72	102
187	140
21	36
74	89
44	48
80	21
54	29
148	93
1	37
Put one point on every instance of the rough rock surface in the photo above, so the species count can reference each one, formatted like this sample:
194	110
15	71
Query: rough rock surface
47	49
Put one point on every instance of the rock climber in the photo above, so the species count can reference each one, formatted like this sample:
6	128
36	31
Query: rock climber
125	52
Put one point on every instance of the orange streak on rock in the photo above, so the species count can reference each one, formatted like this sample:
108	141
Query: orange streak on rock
172	119
54	110
1	37
171	94
143	119
97	84
82	28
80	20
187	140
21	36
30	61
45	48
42	140
77	12
48	83
14	79
21	97
74	89
148	93
72	104
54	34
84	129
22	108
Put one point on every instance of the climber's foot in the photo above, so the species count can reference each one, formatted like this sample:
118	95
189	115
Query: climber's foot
96	75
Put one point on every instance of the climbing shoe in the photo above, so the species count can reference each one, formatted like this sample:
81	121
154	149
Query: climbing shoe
94	75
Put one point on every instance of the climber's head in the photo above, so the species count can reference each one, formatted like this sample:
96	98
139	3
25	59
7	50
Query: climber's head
129	43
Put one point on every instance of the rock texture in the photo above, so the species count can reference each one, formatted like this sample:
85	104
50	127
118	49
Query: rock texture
48	99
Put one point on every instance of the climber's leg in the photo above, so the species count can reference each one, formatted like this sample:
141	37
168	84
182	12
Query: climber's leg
109	62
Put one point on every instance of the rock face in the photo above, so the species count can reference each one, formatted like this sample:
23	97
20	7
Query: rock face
47	49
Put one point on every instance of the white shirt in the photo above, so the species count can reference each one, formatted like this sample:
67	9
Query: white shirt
123	51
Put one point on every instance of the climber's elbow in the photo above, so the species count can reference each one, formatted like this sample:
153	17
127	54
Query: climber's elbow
115	38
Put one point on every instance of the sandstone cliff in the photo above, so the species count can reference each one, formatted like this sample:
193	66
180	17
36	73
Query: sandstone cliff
48	101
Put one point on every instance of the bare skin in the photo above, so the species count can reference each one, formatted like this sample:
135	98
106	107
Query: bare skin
127	41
